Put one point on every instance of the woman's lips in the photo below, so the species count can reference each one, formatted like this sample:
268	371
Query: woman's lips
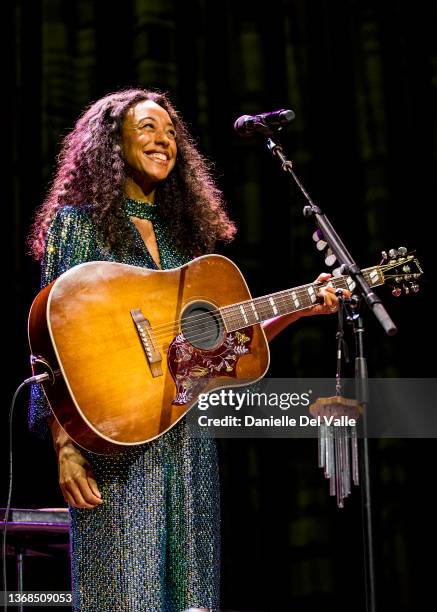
160	158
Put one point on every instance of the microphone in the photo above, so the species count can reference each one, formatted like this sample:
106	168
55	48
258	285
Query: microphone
265	123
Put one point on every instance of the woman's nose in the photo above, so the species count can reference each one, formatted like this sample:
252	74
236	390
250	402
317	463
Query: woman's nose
161	136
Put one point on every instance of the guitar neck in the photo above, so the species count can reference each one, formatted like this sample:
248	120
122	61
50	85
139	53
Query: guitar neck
251	312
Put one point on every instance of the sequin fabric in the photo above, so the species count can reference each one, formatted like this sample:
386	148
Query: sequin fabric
154	543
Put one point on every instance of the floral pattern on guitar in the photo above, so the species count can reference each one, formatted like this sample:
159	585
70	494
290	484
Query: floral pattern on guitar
191	368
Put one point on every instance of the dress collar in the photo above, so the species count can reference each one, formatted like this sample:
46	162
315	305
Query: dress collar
142	210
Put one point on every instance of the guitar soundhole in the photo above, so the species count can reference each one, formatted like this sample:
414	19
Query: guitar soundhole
202	325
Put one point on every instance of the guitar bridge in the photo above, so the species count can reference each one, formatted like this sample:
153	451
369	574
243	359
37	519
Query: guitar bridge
146	336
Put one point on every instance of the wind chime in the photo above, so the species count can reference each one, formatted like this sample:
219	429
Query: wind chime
338	444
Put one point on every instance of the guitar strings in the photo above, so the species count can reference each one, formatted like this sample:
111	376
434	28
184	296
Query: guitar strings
206	334
280	300
194	322
298	290
163	330
167	330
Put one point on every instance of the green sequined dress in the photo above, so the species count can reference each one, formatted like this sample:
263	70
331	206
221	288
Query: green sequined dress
154	543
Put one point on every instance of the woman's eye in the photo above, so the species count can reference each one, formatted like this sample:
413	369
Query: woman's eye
171	132
146	125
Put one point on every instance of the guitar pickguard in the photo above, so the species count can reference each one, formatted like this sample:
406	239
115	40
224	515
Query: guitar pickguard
192	368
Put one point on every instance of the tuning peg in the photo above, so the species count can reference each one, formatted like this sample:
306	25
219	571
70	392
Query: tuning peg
384	257
402	251
336	272
330	258
396	292
321	244
392	253
317	235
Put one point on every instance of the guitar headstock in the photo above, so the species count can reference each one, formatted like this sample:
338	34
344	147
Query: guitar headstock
401	271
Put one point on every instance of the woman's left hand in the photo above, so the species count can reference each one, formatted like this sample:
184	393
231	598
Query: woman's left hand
274	326
330	300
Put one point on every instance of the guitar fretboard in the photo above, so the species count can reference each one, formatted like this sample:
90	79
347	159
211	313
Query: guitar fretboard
251	312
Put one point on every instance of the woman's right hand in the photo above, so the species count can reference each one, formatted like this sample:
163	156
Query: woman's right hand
76	477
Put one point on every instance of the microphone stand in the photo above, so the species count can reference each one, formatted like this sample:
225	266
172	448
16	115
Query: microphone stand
350	268
348	265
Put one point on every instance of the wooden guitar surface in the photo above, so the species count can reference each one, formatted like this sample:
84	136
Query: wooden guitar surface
136	347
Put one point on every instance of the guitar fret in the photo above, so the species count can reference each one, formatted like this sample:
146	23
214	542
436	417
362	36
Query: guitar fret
255	311
342	282
295	299
244	314
239	316
285	302
251	312
263	308
273	305
312	294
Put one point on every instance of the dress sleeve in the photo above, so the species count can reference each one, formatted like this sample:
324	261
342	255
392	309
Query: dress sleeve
70	241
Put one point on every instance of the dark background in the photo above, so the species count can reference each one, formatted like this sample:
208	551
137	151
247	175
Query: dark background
362	80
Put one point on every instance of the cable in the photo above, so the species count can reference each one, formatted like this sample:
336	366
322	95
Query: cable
6	517
38	379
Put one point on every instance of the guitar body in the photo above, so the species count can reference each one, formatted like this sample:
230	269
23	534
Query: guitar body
136	347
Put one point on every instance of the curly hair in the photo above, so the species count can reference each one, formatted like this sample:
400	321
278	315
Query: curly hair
91	171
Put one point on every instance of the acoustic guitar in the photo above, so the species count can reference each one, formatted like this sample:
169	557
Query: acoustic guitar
130	349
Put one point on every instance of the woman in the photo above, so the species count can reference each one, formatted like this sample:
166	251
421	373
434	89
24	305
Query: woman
131	187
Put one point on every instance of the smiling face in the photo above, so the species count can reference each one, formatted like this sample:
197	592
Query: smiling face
149	147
